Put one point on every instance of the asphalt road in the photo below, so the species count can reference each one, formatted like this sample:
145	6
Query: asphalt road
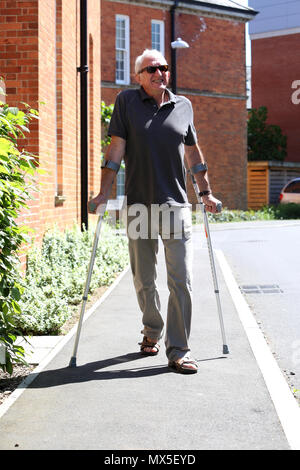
118	399
265	260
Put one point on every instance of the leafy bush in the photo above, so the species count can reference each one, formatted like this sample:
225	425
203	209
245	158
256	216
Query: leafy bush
273	212
106	113
56	275
17	169
265	213
287	211
265	141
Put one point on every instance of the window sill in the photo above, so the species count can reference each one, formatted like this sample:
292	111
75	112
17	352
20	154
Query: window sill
59	200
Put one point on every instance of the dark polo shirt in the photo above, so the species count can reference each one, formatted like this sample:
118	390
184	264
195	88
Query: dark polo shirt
155	139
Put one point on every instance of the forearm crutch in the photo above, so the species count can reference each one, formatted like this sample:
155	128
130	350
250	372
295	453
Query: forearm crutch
212	262
100	210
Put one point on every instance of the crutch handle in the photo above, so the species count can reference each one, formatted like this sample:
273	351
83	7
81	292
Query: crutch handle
101	209
219	207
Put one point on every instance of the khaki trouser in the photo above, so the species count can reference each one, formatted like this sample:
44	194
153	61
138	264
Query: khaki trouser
173	225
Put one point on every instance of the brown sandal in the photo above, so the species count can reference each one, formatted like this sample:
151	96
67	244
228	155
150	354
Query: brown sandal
183	366
147	343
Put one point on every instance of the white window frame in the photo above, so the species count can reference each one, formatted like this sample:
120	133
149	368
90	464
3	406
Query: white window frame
125	50
161	25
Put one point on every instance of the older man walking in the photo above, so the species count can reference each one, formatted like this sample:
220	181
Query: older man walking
153	130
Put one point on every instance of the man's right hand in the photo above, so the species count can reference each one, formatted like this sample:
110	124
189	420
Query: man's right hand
97	201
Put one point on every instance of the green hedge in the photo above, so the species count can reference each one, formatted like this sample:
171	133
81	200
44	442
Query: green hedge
275	212
17	171
56	275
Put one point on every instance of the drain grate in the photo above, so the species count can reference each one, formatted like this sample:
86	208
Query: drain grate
261	289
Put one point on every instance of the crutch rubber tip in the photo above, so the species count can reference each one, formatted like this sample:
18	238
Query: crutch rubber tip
72	362
225	349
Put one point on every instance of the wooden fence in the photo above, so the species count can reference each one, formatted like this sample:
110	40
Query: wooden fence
266	179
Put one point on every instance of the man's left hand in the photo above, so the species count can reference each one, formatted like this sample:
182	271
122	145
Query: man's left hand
211	203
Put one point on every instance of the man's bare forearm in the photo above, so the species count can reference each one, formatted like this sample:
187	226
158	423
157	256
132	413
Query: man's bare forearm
115	153
106	181
194	156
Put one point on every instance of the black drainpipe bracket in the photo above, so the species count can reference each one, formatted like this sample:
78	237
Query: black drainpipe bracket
83	69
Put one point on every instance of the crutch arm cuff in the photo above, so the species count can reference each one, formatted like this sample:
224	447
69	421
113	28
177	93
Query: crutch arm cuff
111	165
198	167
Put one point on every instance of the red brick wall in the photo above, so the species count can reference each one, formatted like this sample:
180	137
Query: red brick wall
19	69
40	53
19	54
214	64
275	66
140	37
221	129
215	58
46	93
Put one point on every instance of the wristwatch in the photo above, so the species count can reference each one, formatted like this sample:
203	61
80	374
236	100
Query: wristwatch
205	193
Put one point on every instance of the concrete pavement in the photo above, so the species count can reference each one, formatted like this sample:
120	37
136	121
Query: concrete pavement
116	399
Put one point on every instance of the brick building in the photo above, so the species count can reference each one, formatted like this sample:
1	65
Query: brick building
275	38
39	56
211	73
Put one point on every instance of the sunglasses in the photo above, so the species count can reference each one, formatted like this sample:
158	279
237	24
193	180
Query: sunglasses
153	68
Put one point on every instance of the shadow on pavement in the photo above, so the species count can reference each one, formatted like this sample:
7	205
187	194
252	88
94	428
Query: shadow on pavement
94	371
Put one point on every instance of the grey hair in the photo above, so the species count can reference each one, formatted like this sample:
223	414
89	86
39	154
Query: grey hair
147	53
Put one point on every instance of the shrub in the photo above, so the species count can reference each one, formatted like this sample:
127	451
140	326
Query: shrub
273	212
265	213
287	211
17	169
106	113
56	275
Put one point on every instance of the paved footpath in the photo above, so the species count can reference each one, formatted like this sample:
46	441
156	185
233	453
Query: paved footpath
115	399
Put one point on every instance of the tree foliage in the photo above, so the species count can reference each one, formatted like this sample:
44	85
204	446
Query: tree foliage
265	141
106	113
